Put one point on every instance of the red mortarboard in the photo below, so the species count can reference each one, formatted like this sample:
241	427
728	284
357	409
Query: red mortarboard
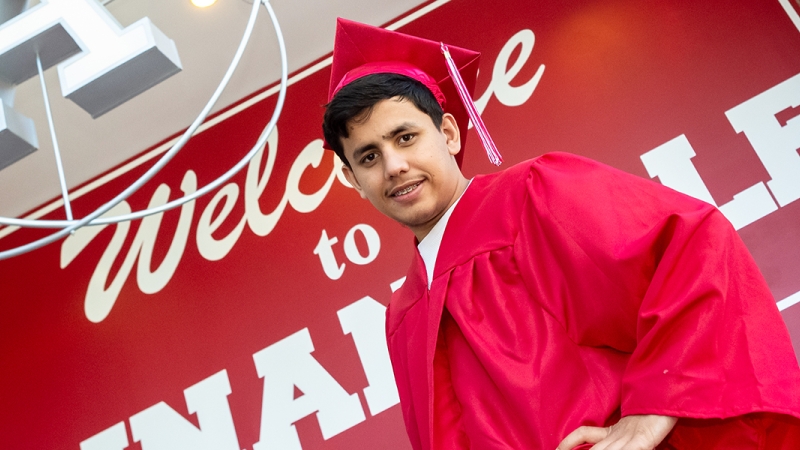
361	50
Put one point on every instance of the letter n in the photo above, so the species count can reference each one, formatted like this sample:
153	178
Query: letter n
160	427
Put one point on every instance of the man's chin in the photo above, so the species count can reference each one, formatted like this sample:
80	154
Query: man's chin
418	225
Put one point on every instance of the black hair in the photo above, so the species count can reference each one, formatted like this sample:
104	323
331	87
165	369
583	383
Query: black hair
356	100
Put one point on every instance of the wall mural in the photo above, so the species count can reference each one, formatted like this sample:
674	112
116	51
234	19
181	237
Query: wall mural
253	317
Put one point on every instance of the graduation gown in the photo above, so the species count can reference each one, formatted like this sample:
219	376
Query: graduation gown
569	293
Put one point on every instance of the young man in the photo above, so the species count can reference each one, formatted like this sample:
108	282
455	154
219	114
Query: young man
559	302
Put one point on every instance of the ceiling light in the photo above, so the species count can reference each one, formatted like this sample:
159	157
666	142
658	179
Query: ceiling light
203	3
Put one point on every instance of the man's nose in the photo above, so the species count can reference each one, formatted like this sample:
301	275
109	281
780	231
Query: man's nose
395	163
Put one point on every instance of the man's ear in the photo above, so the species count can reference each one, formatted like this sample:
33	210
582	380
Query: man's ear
451	133
351	178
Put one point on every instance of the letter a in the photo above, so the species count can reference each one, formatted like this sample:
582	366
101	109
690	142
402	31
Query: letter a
286	364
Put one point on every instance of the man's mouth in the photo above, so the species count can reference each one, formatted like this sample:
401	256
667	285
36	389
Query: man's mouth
406	190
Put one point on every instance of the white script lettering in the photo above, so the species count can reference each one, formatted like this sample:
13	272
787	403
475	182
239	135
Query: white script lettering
327	258
100	300
500	86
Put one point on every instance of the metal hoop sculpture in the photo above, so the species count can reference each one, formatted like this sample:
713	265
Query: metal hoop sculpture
68	226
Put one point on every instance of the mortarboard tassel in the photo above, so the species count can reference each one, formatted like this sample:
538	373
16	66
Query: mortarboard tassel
472	111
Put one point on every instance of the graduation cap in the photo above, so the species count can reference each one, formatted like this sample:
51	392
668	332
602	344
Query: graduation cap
448	72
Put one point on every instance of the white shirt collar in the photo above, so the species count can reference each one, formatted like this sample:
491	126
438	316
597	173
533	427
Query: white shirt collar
429	246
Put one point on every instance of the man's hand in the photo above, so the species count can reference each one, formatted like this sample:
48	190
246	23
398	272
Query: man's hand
630	433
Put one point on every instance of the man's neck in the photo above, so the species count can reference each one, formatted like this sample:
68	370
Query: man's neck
423	231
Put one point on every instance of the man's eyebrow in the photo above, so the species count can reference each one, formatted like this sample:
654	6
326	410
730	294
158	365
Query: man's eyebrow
398	129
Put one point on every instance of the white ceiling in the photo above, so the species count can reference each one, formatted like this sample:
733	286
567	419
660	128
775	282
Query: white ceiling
206	40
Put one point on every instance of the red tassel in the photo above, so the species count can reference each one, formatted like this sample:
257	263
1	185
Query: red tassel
472	111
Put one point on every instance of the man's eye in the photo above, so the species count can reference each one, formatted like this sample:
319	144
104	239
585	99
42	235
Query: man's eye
368	158
406	138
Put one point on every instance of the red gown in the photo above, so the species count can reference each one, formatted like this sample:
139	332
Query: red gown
569	293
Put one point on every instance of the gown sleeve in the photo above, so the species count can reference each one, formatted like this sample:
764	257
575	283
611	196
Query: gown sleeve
627	264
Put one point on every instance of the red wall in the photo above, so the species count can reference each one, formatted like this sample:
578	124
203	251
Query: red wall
97	330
